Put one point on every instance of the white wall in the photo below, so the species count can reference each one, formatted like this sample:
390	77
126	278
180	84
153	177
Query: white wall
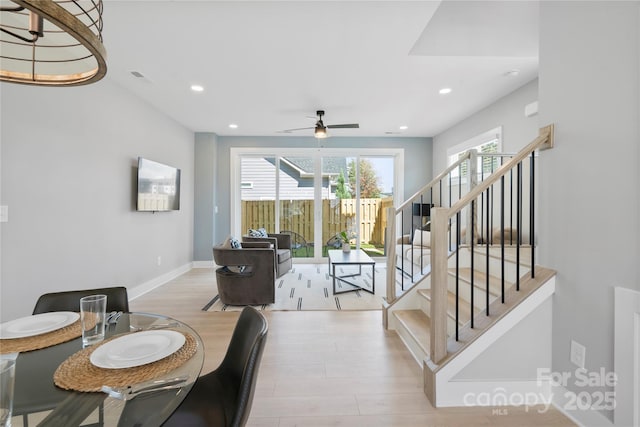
508	112
589	87
69	158
204	189
512	358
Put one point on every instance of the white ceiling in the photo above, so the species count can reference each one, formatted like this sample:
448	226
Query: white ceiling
269	65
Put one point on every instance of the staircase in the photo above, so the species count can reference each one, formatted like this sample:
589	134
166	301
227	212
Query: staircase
480	281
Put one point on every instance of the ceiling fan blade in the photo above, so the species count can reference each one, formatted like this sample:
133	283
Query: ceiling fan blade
345	126
292	130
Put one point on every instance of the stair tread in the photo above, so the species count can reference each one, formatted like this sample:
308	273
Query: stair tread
495	251
418	325
464	310
480	279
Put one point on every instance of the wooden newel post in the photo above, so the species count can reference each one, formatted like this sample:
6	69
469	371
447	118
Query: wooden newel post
439	279
390	241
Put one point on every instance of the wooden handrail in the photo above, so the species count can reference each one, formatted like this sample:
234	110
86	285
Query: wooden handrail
433	182
513	162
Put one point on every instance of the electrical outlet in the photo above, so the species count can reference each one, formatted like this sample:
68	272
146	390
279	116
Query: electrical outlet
159	260
578	353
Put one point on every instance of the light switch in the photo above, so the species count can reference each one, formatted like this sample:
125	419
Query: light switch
4	213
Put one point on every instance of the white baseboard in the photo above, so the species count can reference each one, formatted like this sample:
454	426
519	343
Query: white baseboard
141	289
203	264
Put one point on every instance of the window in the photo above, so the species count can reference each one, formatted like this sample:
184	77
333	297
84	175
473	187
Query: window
487	143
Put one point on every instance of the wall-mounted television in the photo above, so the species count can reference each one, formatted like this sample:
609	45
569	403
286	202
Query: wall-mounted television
158	187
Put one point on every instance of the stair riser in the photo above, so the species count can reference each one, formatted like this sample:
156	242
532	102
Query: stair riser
495	268
416	350
451	323
465	293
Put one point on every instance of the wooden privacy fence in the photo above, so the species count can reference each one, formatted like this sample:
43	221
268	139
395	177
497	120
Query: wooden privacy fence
338	215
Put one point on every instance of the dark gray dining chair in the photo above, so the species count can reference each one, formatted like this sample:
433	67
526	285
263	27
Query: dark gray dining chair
117	300
223	397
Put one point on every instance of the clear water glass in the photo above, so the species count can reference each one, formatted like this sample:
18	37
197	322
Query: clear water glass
93	318
7	379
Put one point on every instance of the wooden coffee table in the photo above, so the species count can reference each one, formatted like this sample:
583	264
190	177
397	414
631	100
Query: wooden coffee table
354	257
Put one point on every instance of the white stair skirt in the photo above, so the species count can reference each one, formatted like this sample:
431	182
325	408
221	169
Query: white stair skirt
627	356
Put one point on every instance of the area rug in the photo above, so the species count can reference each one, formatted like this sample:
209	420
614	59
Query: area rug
310	287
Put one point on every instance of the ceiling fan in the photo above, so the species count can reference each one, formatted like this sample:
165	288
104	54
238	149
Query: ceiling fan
320	129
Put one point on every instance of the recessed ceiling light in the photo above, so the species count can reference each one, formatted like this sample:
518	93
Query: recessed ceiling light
197	88
404	127
233	126
445	90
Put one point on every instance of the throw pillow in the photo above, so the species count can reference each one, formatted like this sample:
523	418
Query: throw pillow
260	232
422	238
231	243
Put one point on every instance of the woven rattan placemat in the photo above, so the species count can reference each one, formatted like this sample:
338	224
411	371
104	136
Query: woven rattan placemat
78	373
37	342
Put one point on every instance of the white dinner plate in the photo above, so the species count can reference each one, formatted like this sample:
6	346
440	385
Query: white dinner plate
37	324
137	349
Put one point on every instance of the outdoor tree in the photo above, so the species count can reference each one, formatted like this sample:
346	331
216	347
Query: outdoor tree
369	187
342	191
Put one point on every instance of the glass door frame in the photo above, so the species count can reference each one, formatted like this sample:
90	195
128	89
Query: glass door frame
236	153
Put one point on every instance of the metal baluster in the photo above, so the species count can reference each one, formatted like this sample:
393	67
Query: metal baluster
532	215
421	236
502	267
511	206
457	275
450	204
487	256
519	220
402	249
473	203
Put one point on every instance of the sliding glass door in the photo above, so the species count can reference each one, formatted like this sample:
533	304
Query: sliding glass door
338	203
315	196
296	200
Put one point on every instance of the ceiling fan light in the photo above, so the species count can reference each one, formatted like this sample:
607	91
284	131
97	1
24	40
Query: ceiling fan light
320	132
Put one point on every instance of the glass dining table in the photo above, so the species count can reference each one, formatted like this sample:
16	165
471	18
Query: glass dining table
39	401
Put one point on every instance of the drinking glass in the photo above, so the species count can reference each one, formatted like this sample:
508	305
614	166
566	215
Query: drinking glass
7	377
92	316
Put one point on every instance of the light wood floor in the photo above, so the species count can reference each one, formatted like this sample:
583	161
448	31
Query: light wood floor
326	368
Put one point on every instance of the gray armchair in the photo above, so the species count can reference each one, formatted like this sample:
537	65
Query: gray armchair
282	245
246	276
